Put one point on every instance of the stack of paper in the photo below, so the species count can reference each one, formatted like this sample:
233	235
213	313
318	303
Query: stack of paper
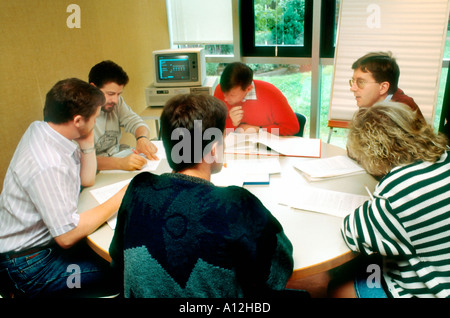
323	201
327	168
264	143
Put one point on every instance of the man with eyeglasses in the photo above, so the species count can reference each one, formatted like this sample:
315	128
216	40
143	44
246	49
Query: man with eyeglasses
375	79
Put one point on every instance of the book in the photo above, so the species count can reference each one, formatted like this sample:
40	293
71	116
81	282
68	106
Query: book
328	168
264	143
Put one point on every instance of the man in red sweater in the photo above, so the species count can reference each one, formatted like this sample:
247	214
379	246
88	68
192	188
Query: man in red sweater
375	79
254	104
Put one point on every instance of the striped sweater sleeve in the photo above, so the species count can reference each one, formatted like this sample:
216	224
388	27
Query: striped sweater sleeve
408	223
373	229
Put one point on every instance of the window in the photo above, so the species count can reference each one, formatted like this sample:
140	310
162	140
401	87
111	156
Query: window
281	45
276	28
329	22
275	37
201	23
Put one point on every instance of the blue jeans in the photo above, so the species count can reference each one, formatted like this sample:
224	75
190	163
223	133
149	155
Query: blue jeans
362	288
55	272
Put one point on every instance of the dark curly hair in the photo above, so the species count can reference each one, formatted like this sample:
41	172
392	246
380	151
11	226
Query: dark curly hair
107	72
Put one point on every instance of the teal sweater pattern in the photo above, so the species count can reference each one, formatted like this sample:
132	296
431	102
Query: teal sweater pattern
180	236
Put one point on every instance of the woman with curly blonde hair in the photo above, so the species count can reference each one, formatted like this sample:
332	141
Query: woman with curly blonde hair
391	135
406	224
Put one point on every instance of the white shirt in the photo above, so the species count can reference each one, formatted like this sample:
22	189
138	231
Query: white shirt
41	188
252	94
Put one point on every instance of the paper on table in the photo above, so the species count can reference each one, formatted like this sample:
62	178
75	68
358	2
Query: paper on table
246	171
151	165
104	193
235	140
337	166
323	201
227	178
292	146
265	143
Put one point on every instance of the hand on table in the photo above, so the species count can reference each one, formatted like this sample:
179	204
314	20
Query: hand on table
132	162
147	148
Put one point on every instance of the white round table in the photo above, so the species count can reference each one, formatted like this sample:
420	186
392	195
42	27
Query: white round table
316	238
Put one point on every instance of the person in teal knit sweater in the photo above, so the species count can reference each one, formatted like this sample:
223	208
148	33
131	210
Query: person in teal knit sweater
178	235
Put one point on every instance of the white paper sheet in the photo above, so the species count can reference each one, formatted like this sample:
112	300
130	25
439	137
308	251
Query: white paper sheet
325	168
246	171
151	165
265	143
323	201
104	193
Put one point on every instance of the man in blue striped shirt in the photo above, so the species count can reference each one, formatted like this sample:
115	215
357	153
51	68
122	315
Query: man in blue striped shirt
41	248
408	222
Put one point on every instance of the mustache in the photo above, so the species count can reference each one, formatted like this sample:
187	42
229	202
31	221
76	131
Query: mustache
104	107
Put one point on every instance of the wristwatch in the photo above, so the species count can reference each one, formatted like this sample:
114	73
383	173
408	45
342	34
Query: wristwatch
143	136
87	150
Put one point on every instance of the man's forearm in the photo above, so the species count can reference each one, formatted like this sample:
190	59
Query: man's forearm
142	131
88	161
108	163
91	219
88	168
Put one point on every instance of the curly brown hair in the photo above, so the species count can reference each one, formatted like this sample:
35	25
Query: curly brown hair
390	134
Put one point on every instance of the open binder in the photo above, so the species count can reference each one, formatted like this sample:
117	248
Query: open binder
264	143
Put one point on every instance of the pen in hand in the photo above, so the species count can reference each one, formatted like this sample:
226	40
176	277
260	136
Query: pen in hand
137	153
370	194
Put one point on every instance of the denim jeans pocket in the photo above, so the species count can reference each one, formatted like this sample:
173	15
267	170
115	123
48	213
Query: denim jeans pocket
30	267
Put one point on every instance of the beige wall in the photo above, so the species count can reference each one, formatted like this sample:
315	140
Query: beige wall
38	49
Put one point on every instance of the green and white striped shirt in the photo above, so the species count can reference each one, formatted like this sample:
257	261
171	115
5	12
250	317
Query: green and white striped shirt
408	222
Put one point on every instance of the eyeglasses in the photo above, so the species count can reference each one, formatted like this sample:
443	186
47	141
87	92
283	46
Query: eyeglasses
360	83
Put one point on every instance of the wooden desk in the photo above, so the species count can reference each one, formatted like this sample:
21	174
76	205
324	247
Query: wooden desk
316	238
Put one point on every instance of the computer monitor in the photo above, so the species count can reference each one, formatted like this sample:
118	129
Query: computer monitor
179	67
